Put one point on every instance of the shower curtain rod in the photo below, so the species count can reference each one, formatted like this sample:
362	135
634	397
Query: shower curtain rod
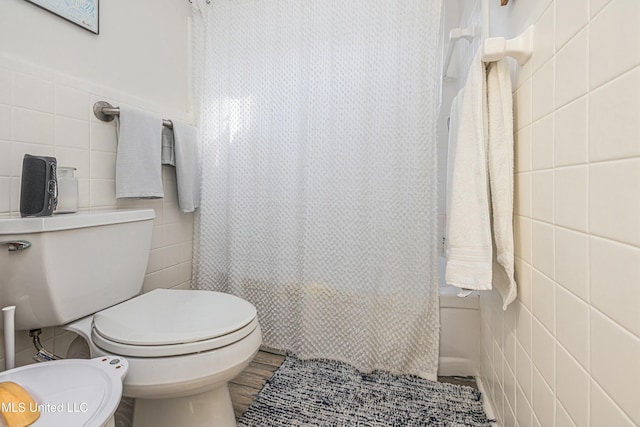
107	112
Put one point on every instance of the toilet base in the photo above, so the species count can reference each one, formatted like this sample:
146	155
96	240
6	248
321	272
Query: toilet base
210	409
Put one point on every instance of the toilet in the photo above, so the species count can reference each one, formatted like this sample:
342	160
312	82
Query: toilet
84	272
82	393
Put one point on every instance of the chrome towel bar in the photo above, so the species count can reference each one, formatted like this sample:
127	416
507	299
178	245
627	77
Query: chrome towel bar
106	112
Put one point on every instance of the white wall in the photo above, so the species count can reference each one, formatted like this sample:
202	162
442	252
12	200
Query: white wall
141	49
51	73
566	352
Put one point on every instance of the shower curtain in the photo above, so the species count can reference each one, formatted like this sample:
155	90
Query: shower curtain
319	194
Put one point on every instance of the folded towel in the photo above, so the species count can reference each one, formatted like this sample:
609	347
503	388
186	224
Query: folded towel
168	155
469	251
188	172
138	168
500	135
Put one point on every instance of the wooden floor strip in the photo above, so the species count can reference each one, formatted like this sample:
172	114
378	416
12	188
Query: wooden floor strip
245	387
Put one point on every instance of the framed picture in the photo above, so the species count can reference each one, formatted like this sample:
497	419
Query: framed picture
83	13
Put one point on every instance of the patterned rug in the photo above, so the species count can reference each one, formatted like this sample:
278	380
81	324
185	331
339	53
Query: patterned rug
328	393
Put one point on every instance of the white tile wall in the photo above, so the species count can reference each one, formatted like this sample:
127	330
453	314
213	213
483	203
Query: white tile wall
544	300
614	355
542	196
576	332
570	141
45	113
542	85
543	400
570	194
614	45
614	266
522	149
543	352
572	325
614	128
544	42
5	86
571	16
542	143
603	410
543	249
613	209
571	62
573	272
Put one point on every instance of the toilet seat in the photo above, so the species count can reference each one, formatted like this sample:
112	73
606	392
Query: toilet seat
172	323
73	392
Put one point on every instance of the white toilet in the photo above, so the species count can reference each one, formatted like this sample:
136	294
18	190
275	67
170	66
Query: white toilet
84	271
75	392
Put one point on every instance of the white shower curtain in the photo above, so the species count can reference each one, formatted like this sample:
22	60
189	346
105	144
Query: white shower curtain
319	196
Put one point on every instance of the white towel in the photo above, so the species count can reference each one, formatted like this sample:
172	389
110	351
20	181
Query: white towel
168	155
469	250
454	119
138	168
480	251
188	172
500	132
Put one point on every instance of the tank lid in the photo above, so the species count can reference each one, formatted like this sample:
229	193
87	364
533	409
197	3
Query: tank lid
16	225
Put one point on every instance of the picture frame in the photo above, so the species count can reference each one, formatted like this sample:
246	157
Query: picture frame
83	13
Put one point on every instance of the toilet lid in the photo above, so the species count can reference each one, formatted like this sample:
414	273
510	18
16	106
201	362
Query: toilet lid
74	392
167	317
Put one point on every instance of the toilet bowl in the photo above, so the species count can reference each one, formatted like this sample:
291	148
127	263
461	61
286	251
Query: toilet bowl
84	272
183	347
82	393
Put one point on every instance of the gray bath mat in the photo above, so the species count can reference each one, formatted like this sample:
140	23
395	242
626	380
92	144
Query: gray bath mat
328	393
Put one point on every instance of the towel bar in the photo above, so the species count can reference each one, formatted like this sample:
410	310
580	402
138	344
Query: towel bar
455	35
519	48
107	112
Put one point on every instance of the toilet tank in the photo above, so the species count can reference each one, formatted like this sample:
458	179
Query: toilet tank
76	264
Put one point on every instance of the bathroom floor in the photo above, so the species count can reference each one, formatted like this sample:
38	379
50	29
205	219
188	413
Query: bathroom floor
246	386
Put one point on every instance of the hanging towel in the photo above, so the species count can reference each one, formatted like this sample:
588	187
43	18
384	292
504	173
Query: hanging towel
500	134
454	118
168	154
188	172
138	168
469	249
